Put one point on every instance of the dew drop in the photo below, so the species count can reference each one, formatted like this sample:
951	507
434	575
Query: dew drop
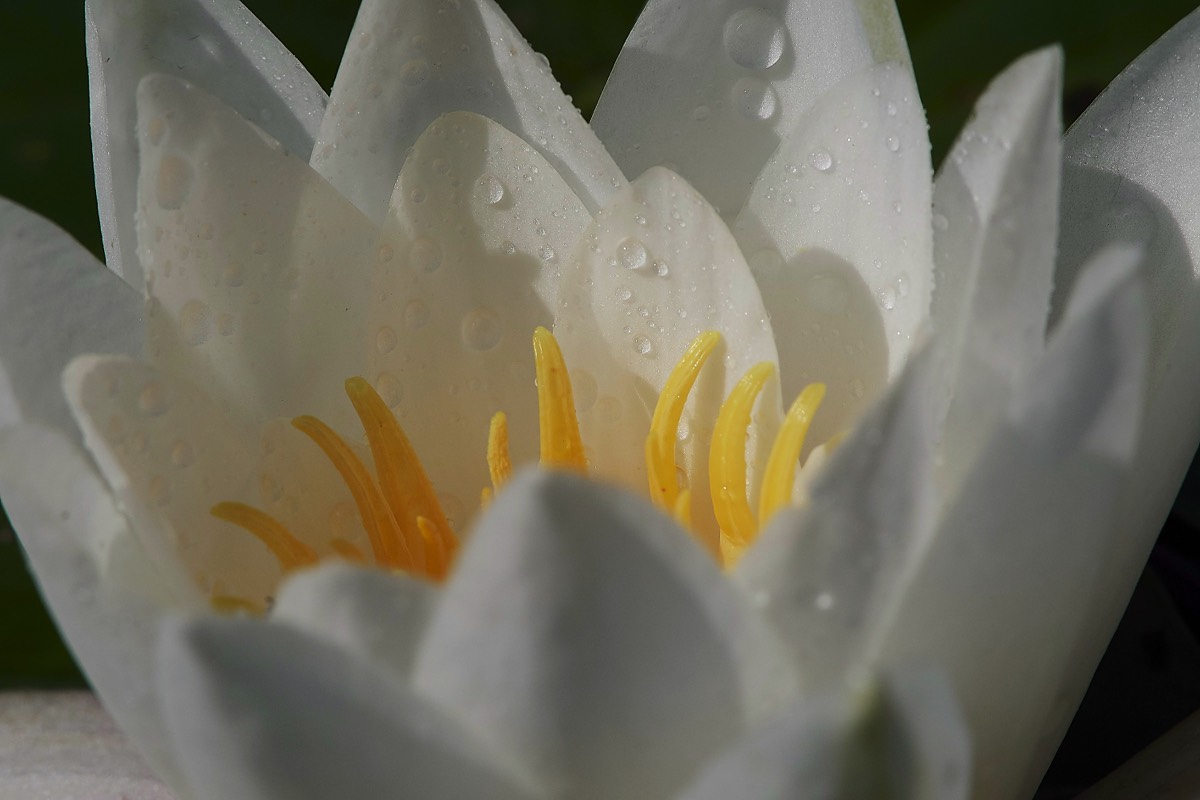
625	294
631	253
174	183
181	453
418	195
490	188
425	254
414	72
643	345
389	388
195	322
754	39
824	601
386	340
821	160
153	399
893	144
887	298
416	314
386	253
234	274
441	166
754	98
661	269
546	253
481	329
509	248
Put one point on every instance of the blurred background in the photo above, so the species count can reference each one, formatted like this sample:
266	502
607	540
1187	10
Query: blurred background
1150	677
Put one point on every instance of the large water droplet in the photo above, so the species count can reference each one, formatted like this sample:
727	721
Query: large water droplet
386	340
887	298
643	345
174	183
195	322
821	160
754	39
631	253
481	329
181	453
389	388
893	144
546	253
754	98
425	254
491	190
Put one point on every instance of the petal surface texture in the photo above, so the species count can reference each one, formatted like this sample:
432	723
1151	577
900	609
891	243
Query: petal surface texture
657	268
827	574
106	595
57	301
1131	174
838	233
412	61
257	268
1016	566
996	223
264	711
468	265
608	654
217	44
710	89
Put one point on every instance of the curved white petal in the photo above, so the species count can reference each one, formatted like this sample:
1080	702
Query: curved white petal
710	89
370	613
881	22
838	232
56	302
257	269
411	61
1131	174
105	593
606	651
62	744
827	575
467	267
216	44
1005	597
266	712
657	268
996	208
901	737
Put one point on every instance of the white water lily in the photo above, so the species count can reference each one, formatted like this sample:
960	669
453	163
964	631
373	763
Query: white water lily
993	497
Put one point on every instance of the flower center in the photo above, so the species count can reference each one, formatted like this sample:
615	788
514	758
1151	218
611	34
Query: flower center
408	530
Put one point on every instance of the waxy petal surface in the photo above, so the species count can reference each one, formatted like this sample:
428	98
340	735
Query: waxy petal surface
411	61
216	44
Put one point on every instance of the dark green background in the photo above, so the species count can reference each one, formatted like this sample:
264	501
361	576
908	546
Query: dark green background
45	154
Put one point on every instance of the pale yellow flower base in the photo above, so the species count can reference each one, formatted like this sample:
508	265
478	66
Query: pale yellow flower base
63	745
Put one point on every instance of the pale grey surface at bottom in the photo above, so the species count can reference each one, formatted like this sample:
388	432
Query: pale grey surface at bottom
64	746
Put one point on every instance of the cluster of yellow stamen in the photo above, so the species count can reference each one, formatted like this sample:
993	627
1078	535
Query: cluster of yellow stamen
408	530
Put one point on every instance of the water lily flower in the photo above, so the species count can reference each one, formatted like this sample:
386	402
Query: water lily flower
312	343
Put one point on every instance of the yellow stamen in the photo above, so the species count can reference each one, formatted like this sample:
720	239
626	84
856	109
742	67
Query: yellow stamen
406	488
230	605
440	550
561	445
683	509
391	548
347	550
660	443
727	460
292	553
780	474
499	463
485	497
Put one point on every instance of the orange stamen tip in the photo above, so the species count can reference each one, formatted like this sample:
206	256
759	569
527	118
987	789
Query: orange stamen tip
292	553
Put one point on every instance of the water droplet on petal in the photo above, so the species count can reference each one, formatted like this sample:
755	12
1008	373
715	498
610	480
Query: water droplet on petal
643	345
234	274
631	253
414	72
389	388
181	453
491	190
754	98
481	329
584	389
754	39
887	298
546	253
821	160
174	183
893	144
195	322
153	399
386	340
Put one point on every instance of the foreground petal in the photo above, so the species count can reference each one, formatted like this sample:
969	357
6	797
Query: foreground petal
1131	174
900	738
827	575
257	269
711	91
105	593
63	744
56	301
370	613
1016	567
606	651
838	232
263	711
468	265
411	61
657	268
216	44
997	201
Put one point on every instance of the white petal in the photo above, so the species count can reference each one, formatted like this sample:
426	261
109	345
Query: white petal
903	733
372	614
710	89
881	22
827	575
1131	174
258	269
216	44
411	61
263	711
102	589
657	268
63	744
56	301
467	267
994	243
1004	596
837	230
585	635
